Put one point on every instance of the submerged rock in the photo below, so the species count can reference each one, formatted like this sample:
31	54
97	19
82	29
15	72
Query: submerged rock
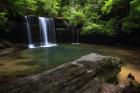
131	86
83	75
107	88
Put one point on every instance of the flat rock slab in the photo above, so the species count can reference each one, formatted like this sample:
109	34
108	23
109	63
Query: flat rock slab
6	51
79	76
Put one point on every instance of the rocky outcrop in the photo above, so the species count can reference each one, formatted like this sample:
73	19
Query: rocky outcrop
83	75
6	51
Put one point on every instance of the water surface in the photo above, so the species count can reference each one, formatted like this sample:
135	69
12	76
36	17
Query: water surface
32	61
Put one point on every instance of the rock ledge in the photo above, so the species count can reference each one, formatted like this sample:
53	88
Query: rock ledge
83	75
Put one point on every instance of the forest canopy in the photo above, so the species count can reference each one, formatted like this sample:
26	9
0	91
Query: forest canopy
109	17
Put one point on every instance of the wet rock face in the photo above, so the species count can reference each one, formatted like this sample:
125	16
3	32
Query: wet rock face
83	75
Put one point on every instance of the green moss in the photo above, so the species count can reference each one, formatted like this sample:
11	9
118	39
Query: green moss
26	63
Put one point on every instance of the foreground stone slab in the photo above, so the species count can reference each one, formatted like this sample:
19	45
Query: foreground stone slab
83	75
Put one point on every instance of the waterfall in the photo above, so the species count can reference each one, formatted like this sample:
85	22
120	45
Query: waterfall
52	29
44	29
47	29
47	32
30	45
75	36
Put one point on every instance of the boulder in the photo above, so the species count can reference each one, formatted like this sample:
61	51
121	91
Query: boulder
83	75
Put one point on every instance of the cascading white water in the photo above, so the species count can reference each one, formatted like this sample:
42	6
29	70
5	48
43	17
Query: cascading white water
52	30
30	45
47	32
46	27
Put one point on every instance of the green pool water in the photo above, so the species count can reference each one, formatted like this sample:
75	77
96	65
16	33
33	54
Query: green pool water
33	61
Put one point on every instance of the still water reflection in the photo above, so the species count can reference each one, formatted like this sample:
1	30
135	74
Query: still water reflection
32	61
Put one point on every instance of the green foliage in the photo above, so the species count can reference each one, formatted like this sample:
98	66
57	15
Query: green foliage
100	16
136	5
89	28
24	6
110	26
132	22
107	6
50	7
90	12
84	14
19	6
32	7
129	25
3	20
75	16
